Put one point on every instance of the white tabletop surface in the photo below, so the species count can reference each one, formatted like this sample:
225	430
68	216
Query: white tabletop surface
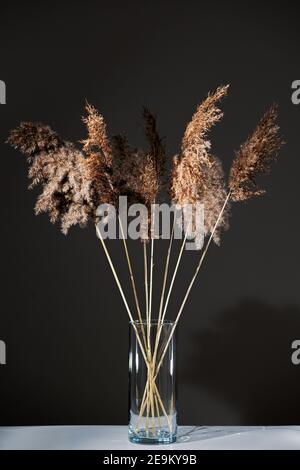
115	438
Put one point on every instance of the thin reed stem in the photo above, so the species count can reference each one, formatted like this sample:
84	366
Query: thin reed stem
147	361
147	407
188	292
151	275
147	325
145	400
152	401
133	283
162	405
174	275
192	282
121	292
157	410
149	317
151	279
166	272
160	325
146	279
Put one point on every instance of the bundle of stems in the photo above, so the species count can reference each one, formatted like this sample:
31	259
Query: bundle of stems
74	182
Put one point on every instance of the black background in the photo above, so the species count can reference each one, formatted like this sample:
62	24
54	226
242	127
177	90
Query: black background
61	314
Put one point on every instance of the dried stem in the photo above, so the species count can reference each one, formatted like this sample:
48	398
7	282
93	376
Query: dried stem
145	402
168	297
150	383
146	286
174	275
158	331
151	279
160	323
187	293
133	283
166	273
149	321
147	327
121	292
192	282
157	409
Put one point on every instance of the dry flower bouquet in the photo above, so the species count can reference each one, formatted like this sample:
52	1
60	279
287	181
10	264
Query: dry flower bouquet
76	182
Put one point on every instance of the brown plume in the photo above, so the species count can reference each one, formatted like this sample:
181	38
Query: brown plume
135	176
197	175
157	149
59	168
32	138
205	117
254	157
97	140
138	174
98	162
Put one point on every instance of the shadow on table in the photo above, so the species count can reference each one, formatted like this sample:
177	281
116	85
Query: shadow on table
201	433
244	360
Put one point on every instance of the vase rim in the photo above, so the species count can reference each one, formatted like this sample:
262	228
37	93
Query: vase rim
154	321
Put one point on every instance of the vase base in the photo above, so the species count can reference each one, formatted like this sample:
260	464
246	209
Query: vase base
157	437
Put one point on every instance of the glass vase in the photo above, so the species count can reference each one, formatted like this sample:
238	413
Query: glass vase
152	382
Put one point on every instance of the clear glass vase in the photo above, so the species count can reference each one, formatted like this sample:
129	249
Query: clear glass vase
152	382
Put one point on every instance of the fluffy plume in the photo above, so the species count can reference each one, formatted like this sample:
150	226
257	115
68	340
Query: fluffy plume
197	175
205	117
97	140
116	169
135	175
254	157
33	138
99	176
98	163
66	192
124	166
157	149
138	174
59	168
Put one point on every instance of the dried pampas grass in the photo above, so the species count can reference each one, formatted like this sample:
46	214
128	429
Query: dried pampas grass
156	148
134	173
59	168
197	175
139	174
99	159
97	140
75	182
33	138
254	157
205	117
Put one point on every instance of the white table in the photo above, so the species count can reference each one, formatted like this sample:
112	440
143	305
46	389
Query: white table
115	438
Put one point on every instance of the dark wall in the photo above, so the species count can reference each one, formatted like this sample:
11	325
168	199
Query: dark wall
61	315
